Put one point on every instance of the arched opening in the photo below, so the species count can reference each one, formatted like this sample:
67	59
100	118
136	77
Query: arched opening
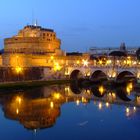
75	88
121	93
126	76
98	76
75	75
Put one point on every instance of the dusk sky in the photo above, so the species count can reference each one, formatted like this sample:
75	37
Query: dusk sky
80	24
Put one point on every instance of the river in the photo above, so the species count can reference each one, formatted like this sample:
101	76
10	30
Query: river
70	112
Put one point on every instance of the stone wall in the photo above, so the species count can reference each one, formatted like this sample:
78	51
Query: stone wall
50	74
20	74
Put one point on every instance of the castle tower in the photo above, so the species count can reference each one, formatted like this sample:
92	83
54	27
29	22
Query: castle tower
32	41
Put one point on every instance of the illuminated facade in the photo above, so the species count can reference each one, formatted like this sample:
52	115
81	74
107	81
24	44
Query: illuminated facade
32	46
35	46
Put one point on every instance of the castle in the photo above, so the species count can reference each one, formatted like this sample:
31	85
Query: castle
35	46
35	53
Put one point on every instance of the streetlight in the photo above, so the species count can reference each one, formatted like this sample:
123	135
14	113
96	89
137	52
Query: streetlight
85	63
57	67
18	70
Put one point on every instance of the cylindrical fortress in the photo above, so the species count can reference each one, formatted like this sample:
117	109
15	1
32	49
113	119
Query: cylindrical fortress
31	46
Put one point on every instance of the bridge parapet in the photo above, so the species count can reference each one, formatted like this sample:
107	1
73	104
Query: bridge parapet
110	72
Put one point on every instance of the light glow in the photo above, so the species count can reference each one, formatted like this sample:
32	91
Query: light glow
18	69
127	111
57	67
17	111
107	104
51	104
56	95
101	90
100	106
77	102
85	63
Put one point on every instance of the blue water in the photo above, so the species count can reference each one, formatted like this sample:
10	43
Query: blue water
85	121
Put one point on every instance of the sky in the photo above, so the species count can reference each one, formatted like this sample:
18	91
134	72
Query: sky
80	24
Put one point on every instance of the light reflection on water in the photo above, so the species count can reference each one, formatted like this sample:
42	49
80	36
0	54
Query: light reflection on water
46	112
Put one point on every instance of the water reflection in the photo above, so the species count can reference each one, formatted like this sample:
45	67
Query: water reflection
40	108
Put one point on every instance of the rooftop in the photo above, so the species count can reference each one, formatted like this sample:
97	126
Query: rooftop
38	27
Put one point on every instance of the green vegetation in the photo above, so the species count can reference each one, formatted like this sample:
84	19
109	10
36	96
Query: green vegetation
30	84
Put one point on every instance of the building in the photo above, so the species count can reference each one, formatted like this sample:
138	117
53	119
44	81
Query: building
31	47
98	51
35	53
35	46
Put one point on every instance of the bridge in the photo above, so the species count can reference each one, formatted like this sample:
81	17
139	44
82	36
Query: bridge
117	70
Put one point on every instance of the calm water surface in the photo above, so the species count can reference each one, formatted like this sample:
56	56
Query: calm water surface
67	112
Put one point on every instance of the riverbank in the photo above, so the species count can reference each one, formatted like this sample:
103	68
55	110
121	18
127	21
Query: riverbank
30	84
33	84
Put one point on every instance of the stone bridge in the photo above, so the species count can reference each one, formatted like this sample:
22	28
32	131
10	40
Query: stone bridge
96	73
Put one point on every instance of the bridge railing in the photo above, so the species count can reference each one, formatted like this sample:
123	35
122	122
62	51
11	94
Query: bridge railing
105	66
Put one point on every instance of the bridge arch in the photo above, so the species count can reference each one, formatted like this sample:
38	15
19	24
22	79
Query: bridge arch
76	74
121	93
126	76
75	88
98	75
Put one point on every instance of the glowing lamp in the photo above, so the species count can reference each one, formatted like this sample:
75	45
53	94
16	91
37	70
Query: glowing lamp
57	95
57	67
18	69
85	63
